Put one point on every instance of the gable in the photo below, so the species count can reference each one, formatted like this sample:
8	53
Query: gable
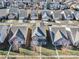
38	32
45	15
20	34
76	36
57	36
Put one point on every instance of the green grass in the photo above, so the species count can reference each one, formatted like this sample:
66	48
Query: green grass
49	52
27	52
44	51
5	53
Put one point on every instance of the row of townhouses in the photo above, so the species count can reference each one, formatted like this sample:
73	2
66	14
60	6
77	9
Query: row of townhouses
46	10
45	15
23	37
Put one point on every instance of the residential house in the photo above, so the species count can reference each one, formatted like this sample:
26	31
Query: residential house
3	14
56	15
34	15
46	15
59	37
38	35
67	15
73	33
4	30
19	37
13	13
23	15
76	15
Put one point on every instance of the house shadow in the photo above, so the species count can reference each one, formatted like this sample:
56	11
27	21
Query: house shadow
49	44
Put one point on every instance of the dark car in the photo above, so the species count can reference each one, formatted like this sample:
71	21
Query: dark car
53	6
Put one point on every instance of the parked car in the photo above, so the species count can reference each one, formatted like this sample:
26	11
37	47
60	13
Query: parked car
53	6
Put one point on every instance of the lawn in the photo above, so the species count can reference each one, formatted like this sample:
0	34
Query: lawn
49	52
44	52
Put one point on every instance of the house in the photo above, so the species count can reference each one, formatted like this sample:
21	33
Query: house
67	15
59	37
76	15
4	30
3	14
56	15
19	37
23	15
3	33
38	35
34	15
53	6
13	13
46	15
73	33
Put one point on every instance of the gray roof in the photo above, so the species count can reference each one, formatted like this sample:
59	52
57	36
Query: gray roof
3	33
19	36
39	35
68	15
76	14
39	31
57	15
22	14
57	33
63	42
46	15
4	12
73	35
13	10
34	15
23	29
